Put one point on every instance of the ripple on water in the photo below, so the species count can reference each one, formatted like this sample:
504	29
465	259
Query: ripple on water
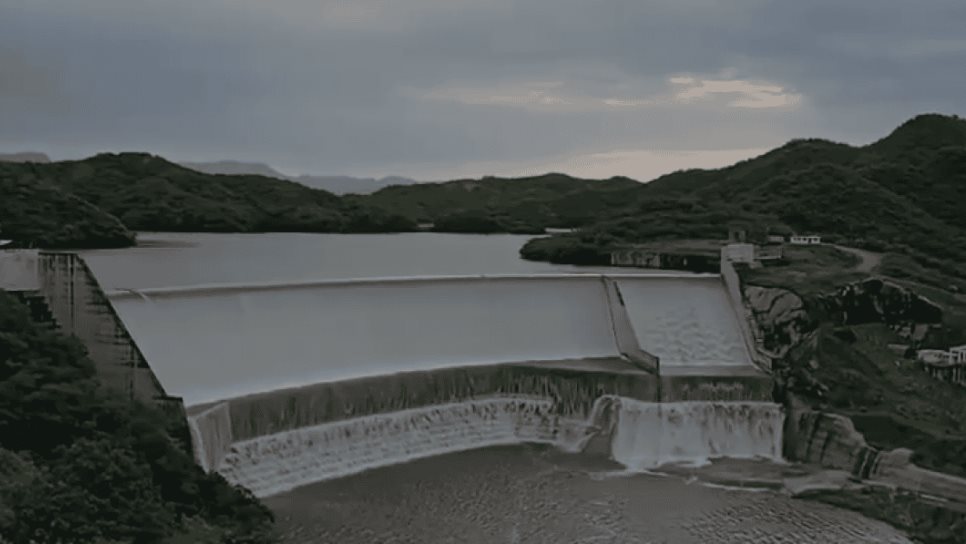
531	494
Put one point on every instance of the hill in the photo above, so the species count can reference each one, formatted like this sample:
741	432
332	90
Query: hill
901	194
339	185
524	204
343	185
234	168
96	201
38	212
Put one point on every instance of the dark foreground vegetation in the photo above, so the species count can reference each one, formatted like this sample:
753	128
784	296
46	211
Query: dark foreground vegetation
79	463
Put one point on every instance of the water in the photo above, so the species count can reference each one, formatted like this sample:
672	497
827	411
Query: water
178	259
687	322
538	495
650	434
639	435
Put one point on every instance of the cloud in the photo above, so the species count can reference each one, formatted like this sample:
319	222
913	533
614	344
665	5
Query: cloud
743	94
367	86
560	97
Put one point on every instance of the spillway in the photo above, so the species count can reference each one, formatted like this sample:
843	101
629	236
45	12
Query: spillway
685	321
288	384
211	344
640	435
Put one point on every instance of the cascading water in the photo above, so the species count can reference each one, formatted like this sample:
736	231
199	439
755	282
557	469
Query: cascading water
639	435
211	435
652	434
276	463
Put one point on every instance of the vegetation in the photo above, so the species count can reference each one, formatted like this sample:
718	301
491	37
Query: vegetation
95	201
548	201
39	213
80	463
901	194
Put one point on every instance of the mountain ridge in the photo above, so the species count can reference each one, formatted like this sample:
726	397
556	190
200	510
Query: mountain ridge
339	185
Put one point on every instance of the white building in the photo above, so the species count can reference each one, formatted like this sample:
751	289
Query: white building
805	240
958	354
935	357
776	239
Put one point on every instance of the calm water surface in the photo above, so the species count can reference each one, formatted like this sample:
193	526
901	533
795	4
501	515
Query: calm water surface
178	259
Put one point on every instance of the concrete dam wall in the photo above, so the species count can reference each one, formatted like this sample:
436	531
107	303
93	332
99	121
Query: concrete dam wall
292	383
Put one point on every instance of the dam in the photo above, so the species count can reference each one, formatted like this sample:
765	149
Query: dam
287	383
290	383
437	405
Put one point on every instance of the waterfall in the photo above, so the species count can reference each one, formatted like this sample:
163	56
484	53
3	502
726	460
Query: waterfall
211	435
639	435
651	434
276	463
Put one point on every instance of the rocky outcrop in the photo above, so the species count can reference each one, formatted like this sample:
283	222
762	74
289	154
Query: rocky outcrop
784	320
832	441
780	318
824	439
878	301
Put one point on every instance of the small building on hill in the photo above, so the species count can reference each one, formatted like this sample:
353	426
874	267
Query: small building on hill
805	239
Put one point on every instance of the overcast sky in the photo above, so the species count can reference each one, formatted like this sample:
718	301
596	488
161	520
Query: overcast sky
434	89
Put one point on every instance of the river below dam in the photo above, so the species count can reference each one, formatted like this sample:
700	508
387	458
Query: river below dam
501	492
539	495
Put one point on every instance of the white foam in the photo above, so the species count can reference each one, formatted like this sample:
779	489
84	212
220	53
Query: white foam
651	434
645	436
276	463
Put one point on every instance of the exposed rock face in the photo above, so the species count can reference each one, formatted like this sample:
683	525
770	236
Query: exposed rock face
783	319
878	301
780	316
824	439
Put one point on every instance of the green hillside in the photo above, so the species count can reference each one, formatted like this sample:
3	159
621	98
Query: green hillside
902	193
551	200
96	201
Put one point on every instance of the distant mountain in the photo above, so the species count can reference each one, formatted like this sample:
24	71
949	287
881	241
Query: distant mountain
235	168
901	194
342	185
339	185
26	156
